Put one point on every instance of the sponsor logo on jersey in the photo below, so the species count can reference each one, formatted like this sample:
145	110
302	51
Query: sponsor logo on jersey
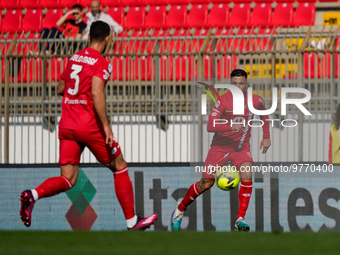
110	68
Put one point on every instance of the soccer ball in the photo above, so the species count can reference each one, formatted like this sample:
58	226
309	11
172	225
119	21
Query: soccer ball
227	178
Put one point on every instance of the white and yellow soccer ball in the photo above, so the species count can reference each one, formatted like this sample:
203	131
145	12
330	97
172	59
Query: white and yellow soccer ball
227	178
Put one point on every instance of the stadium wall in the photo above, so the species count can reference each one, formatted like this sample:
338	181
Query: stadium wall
300	201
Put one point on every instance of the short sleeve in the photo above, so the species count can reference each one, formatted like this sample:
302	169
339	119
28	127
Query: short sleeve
103	71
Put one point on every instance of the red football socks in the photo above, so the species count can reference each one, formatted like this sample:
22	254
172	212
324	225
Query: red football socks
244	197
53	186
191	195
124	192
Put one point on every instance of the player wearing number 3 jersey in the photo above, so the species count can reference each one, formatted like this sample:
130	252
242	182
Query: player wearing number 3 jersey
84	123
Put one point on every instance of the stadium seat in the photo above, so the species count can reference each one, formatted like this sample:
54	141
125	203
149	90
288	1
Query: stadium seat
221	1
198	15
200	1
154	2
283	15
177	16
131	2
135	18
224	44
51	4
9	4
261	15
117	13
225	64
156	17
246	42
30	4
51	18
284	1
309	65
240	15
110	3
69	3
12	21
262	42
177	2
219	16
32	20
304	14
55	67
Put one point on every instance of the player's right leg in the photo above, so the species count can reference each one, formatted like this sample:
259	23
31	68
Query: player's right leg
193	192
215	157
50	187
70	152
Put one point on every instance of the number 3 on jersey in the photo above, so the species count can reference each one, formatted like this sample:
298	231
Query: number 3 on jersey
74	75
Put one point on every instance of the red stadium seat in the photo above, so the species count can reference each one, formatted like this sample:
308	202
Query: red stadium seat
242	1
51	4
117	13
219	16
9	4
198	15
32	20
51	18
69	3
224	44
310	62
154	2
110	3
246	42
135	18
156	17
177	2
56	66
221	1
262	42
12	21
177	16
240	15
261	15
284	1
30	4
131	2
283	15
304	14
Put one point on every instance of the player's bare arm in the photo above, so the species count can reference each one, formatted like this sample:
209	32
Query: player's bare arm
61	87
98	95
265	144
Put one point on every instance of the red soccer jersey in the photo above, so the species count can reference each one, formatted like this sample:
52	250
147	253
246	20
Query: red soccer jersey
227	139
78	110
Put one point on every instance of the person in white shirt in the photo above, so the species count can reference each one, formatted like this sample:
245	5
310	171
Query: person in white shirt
97	14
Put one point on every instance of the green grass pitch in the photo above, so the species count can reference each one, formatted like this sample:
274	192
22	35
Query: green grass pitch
208	243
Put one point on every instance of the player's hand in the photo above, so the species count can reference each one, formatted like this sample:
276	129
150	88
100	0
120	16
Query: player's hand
265	144
108	135
237	127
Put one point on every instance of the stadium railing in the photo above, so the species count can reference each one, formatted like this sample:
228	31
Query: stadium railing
149	97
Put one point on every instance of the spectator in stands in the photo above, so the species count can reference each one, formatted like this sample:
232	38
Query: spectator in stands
334	140
74	28
97	14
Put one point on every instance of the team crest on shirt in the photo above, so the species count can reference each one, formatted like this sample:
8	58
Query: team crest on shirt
217	104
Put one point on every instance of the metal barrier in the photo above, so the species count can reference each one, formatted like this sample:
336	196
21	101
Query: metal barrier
148	94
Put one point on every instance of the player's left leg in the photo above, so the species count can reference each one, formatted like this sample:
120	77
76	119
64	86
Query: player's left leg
244	195
124	193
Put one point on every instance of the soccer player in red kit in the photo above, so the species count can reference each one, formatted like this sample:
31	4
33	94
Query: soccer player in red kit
230	142
84	123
